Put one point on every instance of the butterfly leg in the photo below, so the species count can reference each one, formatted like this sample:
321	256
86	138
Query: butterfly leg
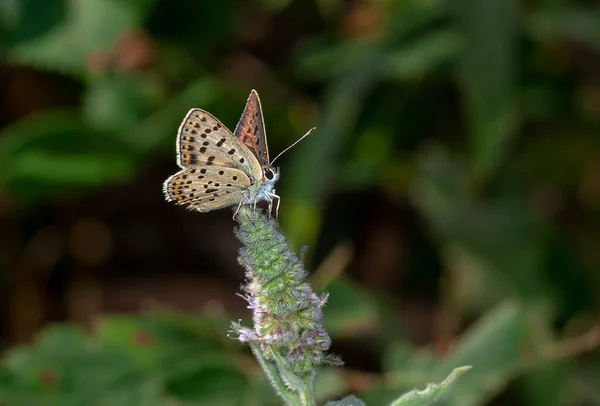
270	209
277	207
238	208
271	197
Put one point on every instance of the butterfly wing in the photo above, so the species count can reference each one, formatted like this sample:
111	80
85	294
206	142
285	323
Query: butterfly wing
207	188
251	129
202	140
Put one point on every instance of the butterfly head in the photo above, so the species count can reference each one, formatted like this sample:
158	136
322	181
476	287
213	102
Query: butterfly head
270	174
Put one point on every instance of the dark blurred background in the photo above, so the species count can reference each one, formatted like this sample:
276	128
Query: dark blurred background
450	198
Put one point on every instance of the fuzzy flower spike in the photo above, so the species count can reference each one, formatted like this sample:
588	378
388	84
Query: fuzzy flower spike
287	337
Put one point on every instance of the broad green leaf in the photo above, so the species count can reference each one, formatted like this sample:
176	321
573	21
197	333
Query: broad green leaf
547	385
129	361
114	104
403	361
419	58
310	176
89	26
332	60
210	386
311	168
57	51
510	255
141	393
22	20
412	16
56	129
433	393
350	311
493	348
161	343
330	383
347	401
65	368
567	23
57	152
160	128
66	169
486	75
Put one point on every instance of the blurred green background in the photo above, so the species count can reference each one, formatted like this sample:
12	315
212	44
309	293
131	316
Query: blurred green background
450	197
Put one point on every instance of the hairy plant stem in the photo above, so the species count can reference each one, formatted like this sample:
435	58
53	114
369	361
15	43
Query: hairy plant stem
306	395
290	397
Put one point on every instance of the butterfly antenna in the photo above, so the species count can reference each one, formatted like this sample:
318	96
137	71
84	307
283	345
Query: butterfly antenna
297	141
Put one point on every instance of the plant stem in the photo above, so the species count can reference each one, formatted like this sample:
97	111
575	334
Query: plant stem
306	394
270	370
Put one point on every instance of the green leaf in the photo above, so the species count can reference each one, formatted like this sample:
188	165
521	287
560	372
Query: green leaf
340	112
547	385
409	17
56	129
275	379
161	342
328	61
493	348
403	360
350	311
567	23
332	60
347	401
159	129
92	25
419	58
55	152
22	20
209	385
142	393
115	103
433	393
129	361
66	368
66	169
500	238
330	382
487	78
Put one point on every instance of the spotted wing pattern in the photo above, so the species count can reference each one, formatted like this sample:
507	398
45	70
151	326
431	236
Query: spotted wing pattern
204	141
251	129
206	188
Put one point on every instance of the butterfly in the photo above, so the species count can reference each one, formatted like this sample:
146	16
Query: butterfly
221	169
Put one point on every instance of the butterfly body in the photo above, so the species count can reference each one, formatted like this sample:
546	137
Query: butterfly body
265	190
221	169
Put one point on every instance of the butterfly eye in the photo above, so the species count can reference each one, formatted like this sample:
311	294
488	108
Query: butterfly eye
269	174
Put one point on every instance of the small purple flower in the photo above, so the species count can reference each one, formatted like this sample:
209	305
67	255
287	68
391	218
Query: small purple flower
244	334
248	298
